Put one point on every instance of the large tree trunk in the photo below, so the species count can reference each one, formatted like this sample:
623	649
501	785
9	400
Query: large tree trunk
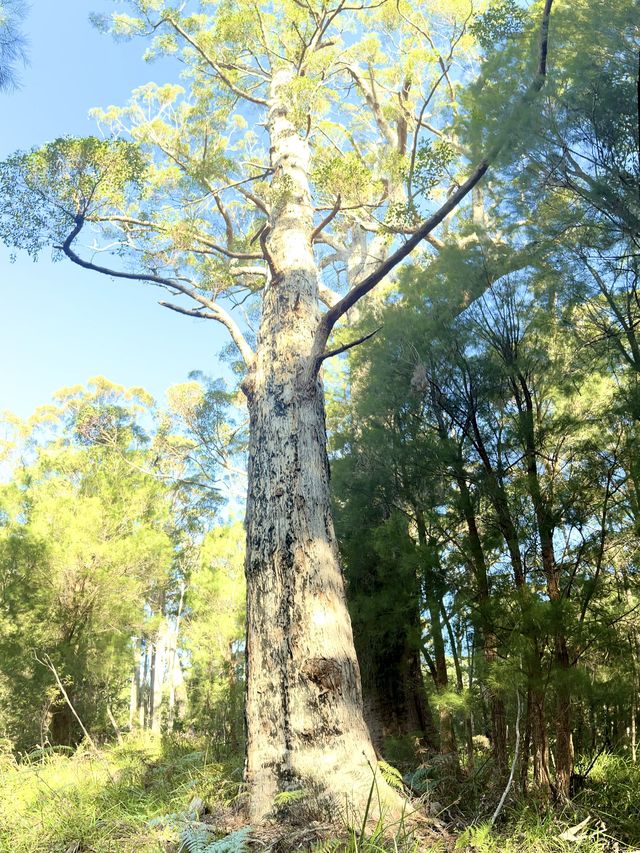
395	698
305	725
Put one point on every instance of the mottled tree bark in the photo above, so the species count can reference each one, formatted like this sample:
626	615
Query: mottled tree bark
304	717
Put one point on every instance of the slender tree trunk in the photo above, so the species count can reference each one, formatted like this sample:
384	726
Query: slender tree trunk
304	719
134	694
434	607
456	653
539	740
447	736
143	696
526	747
157	677
564	742
151	691
134	690
489	638
174	669
635	692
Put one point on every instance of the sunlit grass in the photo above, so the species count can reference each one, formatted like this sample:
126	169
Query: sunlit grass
134	798
106	801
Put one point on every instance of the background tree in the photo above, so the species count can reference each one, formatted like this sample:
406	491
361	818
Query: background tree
13	44
98	547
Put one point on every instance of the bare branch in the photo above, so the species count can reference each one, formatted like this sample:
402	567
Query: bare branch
189	312
172	284
330	353
259	203
369	92
238	271
336	207
333	315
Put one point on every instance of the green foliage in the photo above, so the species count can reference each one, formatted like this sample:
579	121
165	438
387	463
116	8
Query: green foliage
48	190
502	20
370	834
13	44
391	775
610	796
198	840
96	539
214	633
432	161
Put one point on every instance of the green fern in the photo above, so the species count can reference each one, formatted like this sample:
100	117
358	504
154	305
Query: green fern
196	838
391	775
420	781
285	798
237	842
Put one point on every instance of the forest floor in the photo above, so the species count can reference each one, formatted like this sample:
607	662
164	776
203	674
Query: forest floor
175	796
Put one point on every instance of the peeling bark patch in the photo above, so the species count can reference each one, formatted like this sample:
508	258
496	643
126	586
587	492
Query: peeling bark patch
325	673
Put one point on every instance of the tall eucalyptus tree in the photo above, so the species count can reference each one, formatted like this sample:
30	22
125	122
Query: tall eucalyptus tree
303	146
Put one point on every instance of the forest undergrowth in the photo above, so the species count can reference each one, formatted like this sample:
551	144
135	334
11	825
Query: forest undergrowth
150	794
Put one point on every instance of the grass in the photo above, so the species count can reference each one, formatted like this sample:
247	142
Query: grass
608	806
108	802
135	798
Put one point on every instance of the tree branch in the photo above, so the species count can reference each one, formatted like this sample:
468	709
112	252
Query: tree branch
241	93
369	93
144	223
328	296
219	313
350	345
332	316
322	225
189	312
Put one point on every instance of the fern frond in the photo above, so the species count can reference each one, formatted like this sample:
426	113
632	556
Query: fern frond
391	775
237	842
284	798
195	838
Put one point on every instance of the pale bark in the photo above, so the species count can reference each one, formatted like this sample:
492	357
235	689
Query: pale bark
143	705
175	676
158	677
305	726
133	697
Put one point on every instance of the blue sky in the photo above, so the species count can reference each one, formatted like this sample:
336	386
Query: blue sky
60	324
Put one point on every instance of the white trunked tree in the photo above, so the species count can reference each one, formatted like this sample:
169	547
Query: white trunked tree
301	148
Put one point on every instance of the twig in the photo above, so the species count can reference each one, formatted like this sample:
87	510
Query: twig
49	664
113	722
514	764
